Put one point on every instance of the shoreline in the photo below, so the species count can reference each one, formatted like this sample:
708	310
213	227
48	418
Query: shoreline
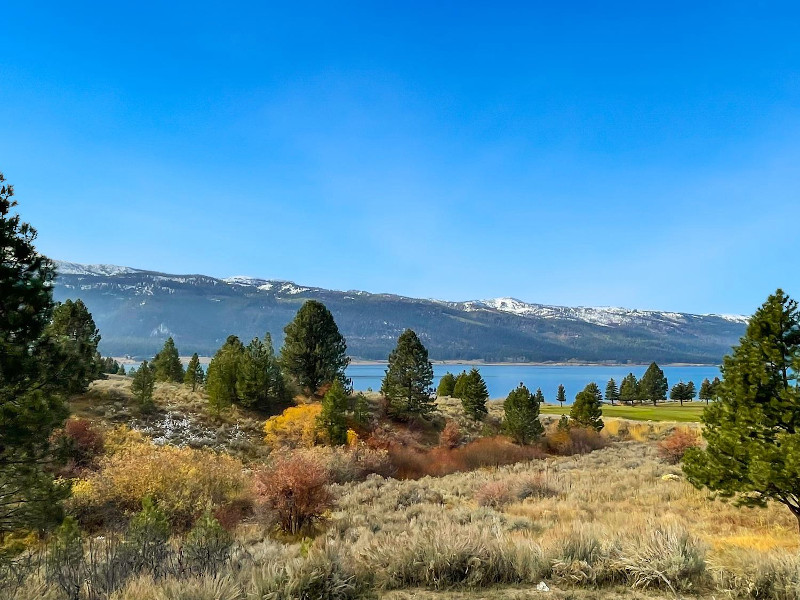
478	363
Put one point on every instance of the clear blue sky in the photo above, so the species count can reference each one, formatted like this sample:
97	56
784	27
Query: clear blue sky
637	154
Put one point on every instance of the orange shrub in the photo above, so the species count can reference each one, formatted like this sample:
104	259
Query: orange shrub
451	435
675	445
295	490
575	440
295	427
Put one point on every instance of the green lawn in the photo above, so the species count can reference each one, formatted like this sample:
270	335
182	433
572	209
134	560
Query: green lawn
688	413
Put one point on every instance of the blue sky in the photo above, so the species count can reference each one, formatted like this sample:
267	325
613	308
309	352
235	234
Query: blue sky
635	154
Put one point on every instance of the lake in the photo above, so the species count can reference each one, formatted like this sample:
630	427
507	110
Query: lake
501	379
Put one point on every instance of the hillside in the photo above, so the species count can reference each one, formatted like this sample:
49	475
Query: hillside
136	310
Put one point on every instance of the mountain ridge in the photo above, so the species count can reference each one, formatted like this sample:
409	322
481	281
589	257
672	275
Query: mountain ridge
133	307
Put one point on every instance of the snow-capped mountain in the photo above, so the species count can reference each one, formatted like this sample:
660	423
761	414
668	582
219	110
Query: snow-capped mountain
136	309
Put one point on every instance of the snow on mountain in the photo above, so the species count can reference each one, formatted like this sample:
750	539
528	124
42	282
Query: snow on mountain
70	268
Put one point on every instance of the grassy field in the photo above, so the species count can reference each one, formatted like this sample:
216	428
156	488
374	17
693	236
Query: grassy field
688	413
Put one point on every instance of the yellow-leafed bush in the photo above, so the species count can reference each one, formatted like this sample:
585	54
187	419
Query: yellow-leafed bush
295	427
182	481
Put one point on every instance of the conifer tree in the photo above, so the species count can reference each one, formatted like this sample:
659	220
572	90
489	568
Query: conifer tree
752	430
167	363
653	386
539	396
629	389
561	395
612	392
475	395
446	385
460	385
223	373
194	372
142	386
706	391
522	416
259	381
32	401
333	419
678	392
407	384
361	410
74	332
587	409
691	391
314	353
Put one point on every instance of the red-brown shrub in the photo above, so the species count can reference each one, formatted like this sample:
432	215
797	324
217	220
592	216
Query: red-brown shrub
450	436
84	443
231	514
675	445
495	494
295	490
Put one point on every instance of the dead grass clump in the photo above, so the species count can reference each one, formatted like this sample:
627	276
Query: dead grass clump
574	440
496	494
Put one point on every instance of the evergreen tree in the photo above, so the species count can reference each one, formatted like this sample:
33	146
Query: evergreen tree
587	409
629	389
223	373
752	430
653	386
522	416
121	370
612	393
314	353
460	385
259	381
691	392
194	372
539	396
475	395
142	386
167	363
333	419
706	390
716	386
561	395
361	410
446	385
74	332
409	377
678	392
31	393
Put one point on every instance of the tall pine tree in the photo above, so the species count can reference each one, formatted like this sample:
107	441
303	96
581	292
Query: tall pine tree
446	385
223	374
167	363
76	335
587	409
260	383
314	353
629	389
408	382
653	385
752	430
561	395
612	393
194	372
475	395
522	416
706	390
142	385
31	394
333	418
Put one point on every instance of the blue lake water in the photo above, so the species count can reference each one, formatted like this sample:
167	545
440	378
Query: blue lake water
501	379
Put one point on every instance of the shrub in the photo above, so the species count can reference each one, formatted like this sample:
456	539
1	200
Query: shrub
64	565
295	490
146	539
674	446
573	440
208	545
84	440
295	427
182	481
450	436
495	494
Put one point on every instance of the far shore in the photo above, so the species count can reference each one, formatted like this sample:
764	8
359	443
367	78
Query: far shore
478	363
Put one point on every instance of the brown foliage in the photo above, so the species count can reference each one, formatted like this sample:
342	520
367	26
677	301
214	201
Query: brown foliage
295	490
675	445
450	436
575	440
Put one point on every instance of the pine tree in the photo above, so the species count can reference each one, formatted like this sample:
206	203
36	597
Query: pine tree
629	389
223	373
446	385
74	332
409	377
142	386
612	393
561	395
522	416
653	386
691	391
362	413
333	419
31	393
167	363
706	390
194	372
587	409
752	430
121	370
314	353
539	396
259	381
678	392
475	395
460	385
